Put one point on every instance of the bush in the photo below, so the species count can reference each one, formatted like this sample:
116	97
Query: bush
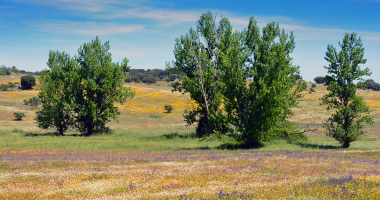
3	87
149	80
19	115
371	84
313	85
5	70
320	80
167	80
34	101
172	77
128	80
27	82
168	108
312	90
137	80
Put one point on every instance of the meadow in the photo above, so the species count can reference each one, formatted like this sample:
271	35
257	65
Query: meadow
151	154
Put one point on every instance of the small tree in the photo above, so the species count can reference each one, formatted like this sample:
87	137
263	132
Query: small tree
320	80
19	115
27	82
34	102
351	112
168	108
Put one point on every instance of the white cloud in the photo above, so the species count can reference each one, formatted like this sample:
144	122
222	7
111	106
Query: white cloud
87	28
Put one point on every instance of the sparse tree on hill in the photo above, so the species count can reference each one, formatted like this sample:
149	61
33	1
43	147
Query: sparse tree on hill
351	112
320	80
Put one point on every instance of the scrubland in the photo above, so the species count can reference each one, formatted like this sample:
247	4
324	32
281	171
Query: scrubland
151	154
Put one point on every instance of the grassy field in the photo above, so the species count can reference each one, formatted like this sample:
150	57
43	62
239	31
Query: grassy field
151	154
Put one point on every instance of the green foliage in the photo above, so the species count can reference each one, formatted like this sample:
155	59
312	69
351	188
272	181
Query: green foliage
27	82
149	80
124	65
98	87
81	92
312	90
56	93
220	69
5	70
320	80
15	70
351	112
255	109
3	87
197	57
168	108
19	115
371	84
313	85
34	101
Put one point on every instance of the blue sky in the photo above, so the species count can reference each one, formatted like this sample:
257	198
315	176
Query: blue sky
144	31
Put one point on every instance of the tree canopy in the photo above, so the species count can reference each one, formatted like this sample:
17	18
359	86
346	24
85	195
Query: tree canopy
81	91
244	79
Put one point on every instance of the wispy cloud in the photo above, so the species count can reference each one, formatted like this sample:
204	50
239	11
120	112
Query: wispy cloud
87	28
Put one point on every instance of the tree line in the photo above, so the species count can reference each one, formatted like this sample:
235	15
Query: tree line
243	82
151	76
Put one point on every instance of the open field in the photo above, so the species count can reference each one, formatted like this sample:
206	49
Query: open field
188	174
150	154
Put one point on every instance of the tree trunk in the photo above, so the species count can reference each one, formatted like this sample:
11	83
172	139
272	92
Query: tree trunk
346	144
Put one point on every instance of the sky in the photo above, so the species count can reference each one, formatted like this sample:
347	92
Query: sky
144	31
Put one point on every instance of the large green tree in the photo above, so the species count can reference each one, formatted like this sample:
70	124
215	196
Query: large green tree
99	86
197	57
351	112
81	91
258	76
57	92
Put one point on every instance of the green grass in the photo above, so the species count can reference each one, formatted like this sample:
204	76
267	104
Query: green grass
176	138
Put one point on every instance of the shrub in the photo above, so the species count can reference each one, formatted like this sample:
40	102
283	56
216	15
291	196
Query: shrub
11	85
34	101
320	80
149	80
137	80
27	82
168	108
313	85
3	87
371	84
172	77
128	80
312	89
5	70
19	115
167	80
